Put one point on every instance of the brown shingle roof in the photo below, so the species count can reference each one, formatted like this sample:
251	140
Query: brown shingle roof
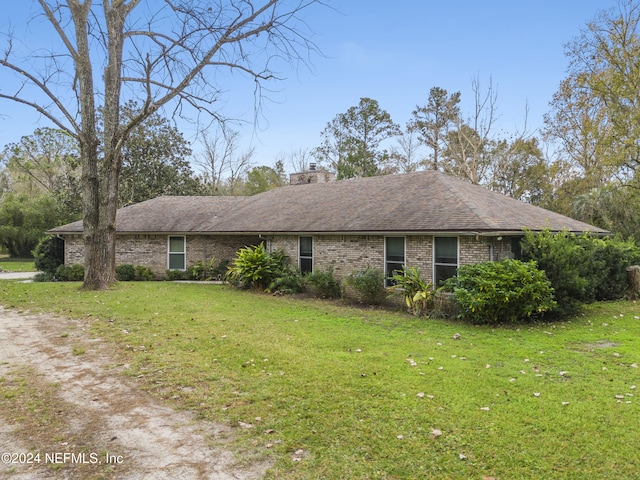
168	214
422	202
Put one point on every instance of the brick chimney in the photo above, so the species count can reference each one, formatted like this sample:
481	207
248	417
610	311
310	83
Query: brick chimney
311	175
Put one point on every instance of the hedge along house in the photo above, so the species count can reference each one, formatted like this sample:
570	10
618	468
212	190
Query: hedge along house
426	219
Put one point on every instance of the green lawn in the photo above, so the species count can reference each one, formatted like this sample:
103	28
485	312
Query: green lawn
16	264
377	394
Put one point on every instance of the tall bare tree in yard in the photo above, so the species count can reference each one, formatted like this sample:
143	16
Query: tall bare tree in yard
166	53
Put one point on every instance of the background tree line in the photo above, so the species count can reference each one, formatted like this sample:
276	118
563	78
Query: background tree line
582	163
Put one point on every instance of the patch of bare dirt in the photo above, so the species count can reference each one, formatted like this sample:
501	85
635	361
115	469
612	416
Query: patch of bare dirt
86	420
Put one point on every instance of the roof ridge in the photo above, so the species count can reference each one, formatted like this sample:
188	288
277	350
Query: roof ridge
459	189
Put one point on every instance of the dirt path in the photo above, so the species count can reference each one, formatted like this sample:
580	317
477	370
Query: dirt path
102	424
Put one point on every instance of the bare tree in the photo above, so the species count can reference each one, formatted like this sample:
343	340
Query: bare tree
167	53
299	160
406	155
468	146
220	162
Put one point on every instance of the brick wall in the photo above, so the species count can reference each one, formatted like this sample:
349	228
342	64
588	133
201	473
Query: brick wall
152	250
346	253
472	251
343	253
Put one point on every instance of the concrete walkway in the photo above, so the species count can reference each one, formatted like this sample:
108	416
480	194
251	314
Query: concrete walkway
17	275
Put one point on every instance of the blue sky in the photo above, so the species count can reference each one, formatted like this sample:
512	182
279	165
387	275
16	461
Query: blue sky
394	52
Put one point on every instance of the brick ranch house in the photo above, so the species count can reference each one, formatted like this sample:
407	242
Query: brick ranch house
426	219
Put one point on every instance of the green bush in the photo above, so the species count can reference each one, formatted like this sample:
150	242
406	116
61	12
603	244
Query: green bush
253	267
287	279
72	273
582	268
417	293
202	270
45	277
258	269
144	274
49	254
369	284
174	275
324	284
125	273
205	270
129	273
501	292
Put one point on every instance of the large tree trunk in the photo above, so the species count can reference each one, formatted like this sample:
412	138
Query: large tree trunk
100	175
633	274
98	226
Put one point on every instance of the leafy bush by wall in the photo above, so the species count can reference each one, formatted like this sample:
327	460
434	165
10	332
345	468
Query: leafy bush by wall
129	273
324	284
71	273
125	273
369	284
417	292
144	274
256	268
49	254
582	268
501	292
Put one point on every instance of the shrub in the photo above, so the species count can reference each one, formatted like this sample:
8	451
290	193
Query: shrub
616	255
499	292
72	273
252	268
49	254
173	275
44	277
582	269
369	284
144	274
417	293
202	270
324	284
128	273
256	268
287	279
125	273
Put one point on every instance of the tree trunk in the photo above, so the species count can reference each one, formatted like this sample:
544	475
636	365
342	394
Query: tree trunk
633	275
100	175
98	226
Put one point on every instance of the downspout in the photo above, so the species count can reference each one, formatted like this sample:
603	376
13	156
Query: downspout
267	242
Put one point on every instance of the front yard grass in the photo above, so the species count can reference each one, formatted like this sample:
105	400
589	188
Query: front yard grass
329	391
8	264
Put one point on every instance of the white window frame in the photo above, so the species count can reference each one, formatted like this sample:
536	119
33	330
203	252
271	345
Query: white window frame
387	274
301	257
457	265
183	252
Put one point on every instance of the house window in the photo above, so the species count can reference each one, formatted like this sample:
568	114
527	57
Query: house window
177	253
446	258
305	258
393	257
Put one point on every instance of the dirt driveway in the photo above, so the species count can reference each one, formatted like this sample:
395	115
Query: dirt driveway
92	422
